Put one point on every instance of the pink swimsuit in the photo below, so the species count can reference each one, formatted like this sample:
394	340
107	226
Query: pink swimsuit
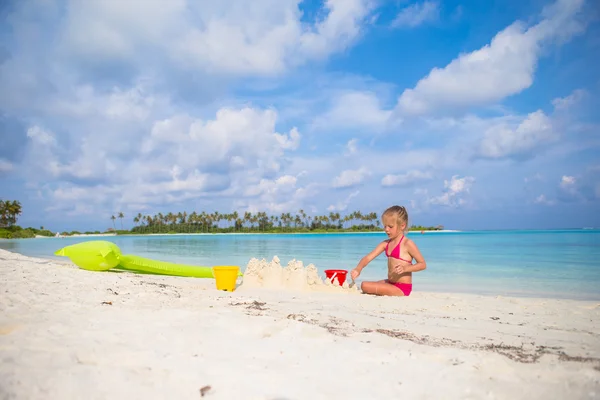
405	287
396	252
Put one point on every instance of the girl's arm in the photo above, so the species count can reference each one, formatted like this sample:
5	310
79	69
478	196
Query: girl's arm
413	250
368	258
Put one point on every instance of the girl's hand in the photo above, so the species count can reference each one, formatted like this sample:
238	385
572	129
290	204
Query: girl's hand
354	274
399	269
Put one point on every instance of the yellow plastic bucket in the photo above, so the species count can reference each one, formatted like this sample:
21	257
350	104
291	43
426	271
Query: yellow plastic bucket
226	277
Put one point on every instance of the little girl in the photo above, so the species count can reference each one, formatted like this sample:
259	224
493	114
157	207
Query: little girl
400	252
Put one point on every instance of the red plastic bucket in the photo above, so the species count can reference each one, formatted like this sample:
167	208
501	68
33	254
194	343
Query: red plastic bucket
340	275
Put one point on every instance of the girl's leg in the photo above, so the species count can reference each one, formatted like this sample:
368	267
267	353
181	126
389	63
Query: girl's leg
381	288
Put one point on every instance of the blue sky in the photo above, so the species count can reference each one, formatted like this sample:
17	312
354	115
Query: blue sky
473	114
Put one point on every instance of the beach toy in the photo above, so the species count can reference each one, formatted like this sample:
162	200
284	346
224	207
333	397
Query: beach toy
95	255
102	255
141	264
340	274
225	277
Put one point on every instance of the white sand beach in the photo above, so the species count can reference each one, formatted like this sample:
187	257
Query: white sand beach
67	333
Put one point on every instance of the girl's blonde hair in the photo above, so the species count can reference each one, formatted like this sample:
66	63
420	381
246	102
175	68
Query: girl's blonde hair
399	212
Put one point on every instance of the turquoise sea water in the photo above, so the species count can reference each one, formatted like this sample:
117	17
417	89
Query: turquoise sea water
560	263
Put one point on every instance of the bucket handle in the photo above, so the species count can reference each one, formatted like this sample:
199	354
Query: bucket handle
333	277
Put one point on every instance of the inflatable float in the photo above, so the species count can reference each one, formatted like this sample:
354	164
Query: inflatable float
101	255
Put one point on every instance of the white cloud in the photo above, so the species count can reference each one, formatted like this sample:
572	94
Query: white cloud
290	141
572	189
355	110
407	178
41	136
351	147
503	140
283	184
181	158
40	154
129	104
417	14
276	195
248	134
567	182
541	199
580	188
504	67
230	36
340	28
343	204
134	104
565	103
459	185
454	188
349	178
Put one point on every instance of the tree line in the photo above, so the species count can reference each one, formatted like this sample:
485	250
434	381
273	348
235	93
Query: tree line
9	213
217	222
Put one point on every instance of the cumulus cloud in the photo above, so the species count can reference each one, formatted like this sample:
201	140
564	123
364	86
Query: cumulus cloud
541	199
355	110
41	154
417	14
503	140
278	195
581	187
567	182
349	178
232	36
566	103
408	178
283	184
569	189
454	190
181	158
502	68
41	136
247	134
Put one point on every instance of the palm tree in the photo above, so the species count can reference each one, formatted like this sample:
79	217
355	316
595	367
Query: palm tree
9	211
121	216
247	218
303	216
113	221
235	216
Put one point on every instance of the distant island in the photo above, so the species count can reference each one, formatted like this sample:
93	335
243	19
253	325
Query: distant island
216	222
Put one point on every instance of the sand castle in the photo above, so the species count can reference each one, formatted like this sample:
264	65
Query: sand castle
294	276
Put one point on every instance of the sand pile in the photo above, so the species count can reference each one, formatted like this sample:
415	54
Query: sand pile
294	276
